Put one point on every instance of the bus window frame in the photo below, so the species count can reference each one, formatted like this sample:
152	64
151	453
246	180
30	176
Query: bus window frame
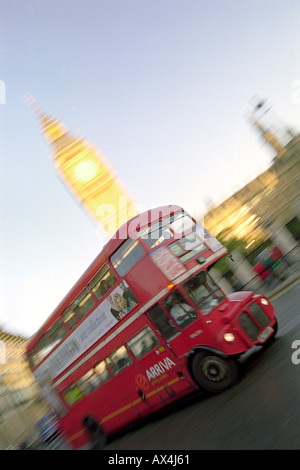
108	269
161	332
116	264
157	226
134	338
65	321
179	239
74	307
58	322
40	356
193	311
203	299
176	217
110	364
78	383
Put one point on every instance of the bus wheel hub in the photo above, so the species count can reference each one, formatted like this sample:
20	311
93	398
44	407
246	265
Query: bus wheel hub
214	369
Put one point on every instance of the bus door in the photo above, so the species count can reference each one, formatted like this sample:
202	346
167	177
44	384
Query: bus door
155	366
160	376
175	327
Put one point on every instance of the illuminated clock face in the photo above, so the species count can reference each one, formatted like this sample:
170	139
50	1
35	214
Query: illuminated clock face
86	170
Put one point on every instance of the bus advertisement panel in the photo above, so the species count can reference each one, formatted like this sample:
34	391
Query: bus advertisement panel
116	305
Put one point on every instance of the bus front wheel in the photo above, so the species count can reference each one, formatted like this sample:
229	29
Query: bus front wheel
214	373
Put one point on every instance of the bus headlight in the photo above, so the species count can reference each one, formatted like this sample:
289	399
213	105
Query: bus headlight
264	301
229	337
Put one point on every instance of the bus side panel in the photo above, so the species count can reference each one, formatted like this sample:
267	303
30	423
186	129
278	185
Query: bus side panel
147	384
112	406
162	379
144	279
159	376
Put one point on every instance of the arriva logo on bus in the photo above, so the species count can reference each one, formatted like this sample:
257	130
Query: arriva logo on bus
159	368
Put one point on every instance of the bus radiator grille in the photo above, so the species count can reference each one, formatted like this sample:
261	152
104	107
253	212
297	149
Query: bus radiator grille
254	321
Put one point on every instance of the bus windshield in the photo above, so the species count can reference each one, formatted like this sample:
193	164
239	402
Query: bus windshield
204	292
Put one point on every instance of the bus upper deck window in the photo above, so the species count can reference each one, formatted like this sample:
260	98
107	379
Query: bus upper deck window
44	347
83	303
57	332
129	253
69	318
155	234
102	282
180	223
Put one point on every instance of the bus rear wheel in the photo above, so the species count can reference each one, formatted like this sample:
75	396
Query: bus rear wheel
214	373
96	434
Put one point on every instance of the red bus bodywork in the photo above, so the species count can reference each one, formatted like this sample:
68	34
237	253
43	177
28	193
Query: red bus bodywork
179	332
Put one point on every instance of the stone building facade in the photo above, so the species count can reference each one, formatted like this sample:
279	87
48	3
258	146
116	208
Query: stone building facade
20	406
273	196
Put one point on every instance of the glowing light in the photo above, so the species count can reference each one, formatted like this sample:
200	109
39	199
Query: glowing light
249	244
229	337
87	174
86	170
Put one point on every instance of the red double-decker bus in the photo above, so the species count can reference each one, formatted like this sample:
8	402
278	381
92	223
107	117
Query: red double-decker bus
145	325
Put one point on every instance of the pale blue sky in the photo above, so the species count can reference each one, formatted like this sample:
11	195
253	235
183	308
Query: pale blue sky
158	86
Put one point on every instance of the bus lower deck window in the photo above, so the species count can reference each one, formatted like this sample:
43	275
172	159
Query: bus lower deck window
119	360
143	342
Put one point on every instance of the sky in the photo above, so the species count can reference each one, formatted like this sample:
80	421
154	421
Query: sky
160	87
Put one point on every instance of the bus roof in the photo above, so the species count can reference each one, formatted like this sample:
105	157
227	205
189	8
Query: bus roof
109	248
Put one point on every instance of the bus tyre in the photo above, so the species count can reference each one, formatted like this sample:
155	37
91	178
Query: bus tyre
214	373
99	440
96	434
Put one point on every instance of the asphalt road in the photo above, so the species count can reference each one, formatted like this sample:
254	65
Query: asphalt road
262	411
